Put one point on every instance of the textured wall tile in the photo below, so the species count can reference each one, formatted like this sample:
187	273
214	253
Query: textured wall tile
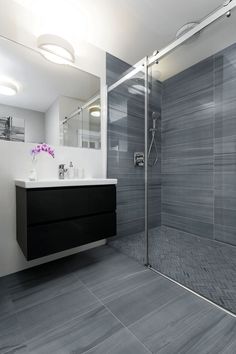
188	225
225	217
115	69
225	234
192	211
197	180
188	195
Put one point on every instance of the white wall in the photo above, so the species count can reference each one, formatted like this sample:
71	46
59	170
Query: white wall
67	106
15	162
52	132
34	122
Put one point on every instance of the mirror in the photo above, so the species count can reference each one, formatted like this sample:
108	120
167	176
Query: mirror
41	101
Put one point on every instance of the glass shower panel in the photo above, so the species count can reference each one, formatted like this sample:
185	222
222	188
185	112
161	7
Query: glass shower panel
126	147
192	221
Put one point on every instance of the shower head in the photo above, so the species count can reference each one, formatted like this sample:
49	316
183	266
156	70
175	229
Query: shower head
156	115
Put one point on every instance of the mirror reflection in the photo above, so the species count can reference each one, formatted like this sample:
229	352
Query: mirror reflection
41	101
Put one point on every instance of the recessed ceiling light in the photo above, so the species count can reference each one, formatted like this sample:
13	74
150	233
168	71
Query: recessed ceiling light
8	88
56	49
95	111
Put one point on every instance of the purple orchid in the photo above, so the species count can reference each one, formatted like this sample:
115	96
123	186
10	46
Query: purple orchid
42	147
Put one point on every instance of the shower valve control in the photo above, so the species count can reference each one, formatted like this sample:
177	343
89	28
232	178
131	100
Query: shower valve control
139	159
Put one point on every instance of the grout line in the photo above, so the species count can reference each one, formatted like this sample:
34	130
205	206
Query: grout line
193	292
124	326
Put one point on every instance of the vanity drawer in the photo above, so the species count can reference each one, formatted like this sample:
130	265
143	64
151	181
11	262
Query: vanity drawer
58	236
102	199
51	220
54	204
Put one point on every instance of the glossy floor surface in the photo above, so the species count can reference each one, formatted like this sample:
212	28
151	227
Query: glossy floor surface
102	301
204	266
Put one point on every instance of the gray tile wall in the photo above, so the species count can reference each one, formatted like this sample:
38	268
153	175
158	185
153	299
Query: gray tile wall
126	136
187	150
193	186
225	146
199	149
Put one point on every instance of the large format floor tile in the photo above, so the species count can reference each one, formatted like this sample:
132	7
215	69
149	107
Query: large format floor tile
123	342
11	336
103	302
78	335
111	265
116	287
45	316
133	306
185	325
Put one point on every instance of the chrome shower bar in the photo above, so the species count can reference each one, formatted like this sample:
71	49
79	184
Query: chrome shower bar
212	17
80	109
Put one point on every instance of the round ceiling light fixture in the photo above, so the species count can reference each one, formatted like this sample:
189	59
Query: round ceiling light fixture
8	88
95	111
56	49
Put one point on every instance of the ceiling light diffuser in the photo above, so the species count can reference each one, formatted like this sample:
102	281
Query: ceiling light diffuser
95	111
8	88
56	49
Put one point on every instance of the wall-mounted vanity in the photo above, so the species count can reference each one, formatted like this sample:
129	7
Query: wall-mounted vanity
60	105
53	216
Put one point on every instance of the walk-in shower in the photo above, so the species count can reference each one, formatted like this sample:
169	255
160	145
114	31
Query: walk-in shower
177	212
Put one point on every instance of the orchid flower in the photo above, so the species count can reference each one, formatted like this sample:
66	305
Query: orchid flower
42	147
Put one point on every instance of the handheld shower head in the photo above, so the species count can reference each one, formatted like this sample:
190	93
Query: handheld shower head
155	117
153	144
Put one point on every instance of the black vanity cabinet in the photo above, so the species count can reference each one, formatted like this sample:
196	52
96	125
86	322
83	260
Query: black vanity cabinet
54	219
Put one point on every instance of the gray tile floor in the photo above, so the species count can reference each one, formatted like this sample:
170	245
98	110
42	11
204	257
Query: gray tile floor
205	266
102	301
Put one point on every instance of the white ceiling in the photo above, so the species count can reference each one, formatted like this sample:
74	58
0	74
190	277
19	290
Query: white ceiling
128	29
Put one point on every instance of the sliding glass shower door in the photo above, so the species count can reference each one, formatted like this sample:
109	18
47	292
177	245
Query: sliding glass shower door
192	221
126	150
172	146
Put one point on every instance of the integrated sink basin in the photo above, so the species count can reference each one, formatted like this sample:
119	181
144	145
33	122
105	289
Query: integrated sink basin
64	182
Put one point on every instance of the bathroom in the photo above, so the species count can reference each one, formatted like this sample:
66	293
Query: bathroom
118	189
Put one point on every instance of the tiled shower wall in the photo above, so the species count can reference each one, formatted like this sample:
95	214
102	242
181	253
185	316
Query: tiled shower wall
199	149
197	175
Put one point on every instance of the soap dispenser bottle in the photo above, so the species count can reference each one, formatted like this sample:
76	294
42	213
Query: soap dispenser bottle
71	172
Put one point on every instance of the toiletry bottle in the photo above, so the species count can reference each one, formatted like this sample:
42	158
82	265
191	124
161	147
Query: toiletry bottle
71	172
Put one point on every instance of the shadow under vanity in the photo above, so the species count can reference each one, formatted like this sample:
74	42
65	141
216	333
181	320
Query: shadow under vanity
54	216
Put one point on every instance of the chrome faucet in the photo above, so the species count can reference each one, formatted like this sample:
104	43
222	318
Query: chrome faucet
61	171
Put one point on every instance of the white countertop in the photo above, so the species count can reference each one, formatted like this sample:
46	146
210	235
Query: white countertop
64	182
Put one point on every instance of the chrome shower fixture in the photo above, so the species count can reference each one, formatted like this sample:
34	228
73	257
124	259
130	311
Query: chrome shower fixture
153	144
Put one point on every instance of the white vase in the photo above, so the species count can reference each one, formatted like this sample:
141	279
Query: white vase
33	172
33	175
